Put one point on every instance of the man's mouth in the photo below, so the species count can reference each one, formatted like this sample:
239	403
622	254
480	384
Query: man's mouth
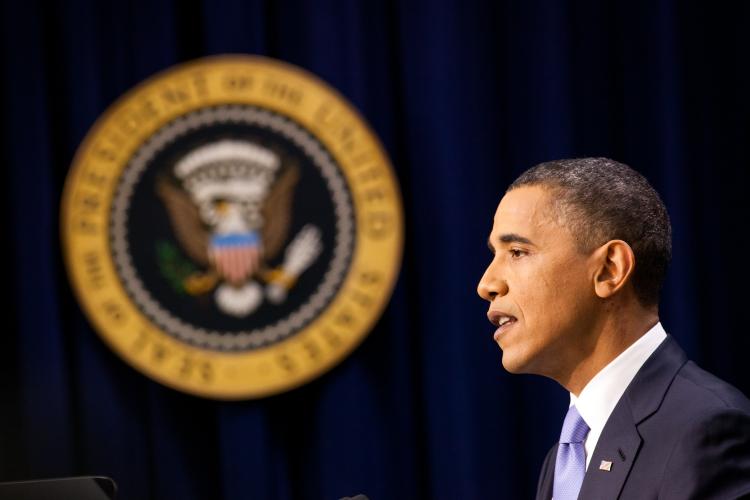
505	323
502	321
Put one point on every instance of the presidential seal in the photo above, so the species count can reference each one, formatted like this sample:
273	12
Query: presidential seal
232	227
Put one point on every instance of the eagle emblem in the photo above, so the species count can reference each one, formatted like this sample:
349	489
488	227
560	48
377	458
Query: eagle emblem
229	204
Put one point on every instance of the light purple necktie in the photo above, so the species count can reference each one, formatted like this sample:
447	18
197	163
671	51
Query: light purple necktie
570	465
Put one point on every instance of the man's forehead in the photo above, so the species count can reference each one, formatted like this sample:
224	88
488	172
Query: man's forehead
527	205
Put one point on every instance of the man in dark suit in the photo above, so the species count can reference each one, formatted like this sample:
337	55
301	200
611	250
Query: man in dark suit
580	250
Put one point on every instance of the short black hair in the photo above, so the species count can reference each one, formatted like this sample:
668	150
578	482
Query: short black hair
601	200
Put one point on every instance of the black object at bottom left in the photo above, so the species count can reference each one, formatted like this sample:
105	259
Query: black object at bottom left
67	488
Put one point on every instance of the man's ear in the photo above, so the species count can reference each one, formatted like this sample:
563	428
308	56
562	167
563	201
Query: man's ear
615	263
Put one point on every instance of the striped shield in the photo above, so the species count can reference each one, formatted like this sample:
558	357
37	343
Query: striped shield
235	256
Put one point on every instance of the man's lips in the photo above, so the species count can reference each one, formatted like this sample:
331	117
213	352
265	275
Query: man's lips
502	320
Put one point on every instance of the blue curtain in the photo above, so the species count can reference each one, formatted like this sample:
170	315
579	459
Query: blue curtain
465	95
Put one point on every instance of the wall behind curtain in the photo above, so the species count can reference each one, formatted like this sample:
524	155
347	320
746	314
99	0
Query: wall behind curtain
465	95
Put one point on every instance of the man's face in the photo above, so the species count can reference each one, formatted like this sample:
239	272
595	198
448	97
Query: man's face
539	285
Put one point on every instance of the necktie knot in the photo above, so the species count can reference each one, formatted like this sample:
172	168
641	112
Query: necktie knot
574	429
570	465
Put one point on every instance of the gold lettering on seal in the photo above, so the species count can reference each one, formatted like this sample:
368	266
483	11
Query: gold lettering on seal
344	132
92	263
180	92
193	368
379	225
282	91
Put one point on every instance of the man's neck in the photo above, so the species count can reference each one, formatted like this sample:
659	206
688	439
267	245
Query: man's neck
615	333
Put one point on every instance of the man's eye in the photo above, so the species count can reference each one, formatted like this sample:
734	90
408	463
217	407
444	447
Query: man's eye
516	253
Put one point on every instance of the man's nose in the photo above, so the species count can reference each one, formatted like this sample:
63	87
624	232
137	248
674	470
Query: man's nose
492	283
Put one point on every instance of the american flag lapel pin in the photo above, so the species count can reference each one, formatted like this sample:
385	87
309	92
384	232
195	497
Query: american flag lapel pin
605	465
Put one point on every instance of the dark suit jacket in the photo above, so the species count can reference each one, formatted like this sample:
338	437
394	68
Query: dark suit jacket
677	433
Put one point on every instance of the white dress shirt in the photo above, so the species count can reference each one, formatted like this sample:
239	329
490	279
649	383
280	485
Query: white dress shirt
601	394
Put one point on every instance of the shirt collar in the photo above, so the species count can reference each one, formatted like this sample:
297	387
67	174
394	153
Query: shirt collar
600	396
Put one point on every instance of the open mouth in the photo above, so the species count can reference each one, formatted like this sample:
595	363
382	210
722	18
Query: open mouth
503	322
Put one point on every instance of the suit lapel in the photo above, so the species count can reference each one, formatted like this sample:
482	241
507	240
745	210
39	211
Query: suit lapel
613	457
547	476
620	441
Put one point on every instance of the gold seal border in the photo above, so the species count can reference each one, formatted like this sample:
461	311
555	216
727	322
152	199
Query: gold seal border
324	112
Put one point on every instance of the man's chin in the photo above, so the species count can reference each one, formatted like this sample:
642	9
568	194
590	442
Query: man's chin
528	365
514	365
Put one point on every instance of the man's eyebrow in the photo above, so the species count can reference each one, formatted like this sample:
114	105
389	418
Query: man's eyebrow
509	238
514	238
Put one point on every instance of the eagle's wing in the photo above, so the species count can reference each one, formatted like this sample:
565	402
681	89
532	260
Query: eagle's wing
277	212
186	221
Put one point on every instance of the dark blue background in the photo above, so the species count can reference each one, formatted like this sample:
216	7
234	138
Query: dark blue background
465	95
